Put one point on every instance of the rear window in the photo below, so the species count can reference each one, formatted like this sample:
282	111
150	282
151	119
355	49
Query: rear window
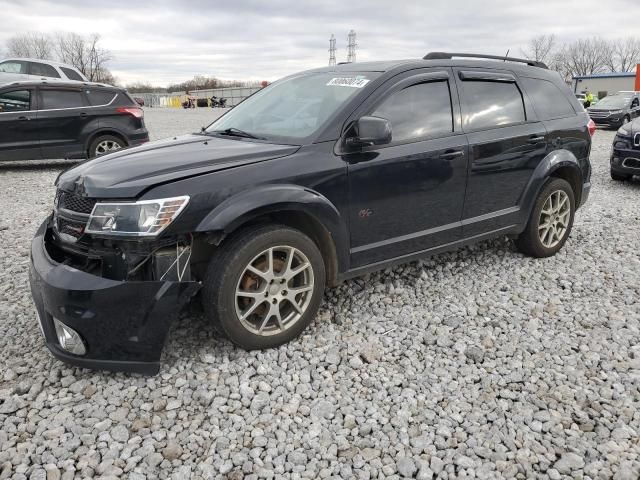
99	97
15	101
72	74
52	99
548	100
43	70
489	104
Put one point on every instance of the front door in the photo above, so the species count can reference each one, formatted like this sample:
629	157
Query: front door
407	196
506	143
18	130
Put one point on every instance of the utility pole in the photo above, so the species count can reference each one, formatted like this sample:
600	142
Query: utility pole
332	50
351	47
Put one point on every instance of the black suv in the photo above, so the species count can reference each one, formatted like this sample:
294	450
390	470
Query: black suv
625	154
616	110
40	120
319	177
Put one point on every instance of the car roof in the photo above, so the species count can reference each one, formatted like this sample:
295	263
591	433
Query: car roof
38	60
56	83
409	64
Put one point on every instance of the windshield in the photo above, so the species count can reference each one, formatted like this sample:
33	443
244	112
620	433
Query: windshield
614	101
292	109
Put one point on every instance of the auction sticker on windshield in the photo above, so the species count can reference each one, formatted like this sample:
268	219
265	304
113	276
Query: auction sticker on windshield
348	82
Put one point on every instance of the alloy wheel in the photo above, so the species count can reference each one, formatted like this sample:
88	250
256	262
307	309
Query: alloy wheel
274	290
554	218
107	146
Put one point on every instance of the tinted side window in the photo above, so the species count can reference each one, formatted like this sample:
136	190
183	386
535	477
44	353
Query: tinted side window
13	67
72	74
548	100
419	111
491	104
43	70
15	101
61	99
100	97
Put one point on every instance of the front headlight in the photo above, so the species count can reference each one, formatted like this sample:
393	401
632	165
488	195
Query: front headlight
146	218
623	131
615	112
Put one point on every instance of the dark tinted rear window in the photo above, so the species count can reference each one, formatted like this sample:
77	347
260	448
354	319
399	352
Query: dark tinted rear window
72	74
100	97
548	100
43	70
61	99
491	104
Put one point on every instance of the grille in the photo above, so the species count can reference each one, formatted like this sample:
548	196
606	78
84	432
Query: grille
71	228
75	203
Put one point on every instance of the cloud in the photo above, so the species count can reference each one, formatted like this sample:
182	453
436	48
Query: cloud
168	41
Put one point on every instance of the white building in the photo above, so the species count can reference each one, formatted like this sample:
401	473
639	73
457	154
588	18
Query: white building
603	84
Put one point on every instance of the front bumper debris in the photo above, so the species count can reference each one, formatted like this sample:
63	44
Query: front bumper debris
124	324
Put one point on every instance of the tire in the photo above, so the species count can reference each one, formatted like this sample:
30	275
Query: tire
252	323
619	177
538	242
101	145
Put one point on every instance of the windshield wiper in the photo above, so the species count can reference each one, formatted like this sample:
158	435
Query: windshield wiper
236	132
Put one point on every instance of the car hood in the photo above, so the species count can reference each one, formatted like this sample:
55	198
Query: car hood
128	173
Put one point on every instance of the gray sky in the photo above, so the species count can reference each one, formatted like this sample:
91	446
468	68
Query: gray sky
164	41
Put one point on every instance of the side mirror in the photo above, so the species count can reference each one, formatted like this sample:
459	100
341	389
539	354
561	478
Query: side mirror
368	131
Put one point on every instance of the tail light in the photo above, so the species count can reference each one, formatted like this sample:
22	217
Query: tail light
592	127
135	111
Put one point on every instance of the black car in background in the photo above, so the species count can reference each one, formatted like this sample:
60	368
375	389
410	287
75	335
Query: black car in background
615	110
319	177
41	120
625	154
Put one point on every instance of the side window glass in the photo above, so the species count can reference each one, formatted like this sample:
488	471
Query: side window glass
548	100
487	104
99	97
419	111
72	74
43	70
15	101
53	99
12	67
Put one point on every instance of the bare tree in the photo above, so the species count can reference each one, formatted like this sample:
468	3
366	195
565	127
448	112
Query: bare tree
31	45
627	53
84	53
585	56
540	48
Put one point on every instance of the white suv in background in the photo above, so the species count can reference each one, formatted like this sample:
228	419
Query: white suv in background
21	69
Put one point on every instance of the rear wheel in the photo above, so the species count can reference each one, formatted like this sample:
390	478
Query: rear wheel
619	177
264	286
551	220
105	144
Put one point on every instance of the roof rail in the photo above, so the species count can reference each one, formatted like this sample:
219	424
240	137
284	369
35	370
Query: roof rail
449	56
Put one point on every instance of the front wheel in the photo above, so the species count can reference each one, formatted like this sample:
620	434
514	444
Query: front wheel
551	220
264	286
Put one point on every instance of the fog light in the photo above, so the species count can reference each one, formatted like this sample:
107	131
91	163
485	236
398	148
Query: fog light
69	339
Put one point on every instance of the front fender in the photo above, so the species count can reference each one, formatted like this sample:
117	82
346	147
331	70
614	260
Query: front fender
245	206
545	169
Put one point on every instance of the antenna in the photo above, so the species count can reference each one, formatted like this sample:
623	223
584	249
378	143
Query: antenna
351	47
506	55
332	50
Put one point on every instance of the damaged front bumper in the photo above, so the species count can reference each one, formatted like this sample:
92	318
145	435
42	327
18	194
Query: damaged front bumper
123	324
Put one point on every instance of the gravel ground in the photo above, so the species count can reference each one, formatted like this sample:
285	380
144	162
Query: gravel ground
480	363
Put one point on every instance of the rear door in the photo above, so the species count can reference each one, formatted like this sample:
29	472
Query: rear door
506	143
18	127
62	118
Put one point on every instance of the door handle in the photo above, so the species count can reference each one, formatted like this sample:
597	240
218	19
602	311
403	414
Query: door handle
23	117
83	114
536	139
451	154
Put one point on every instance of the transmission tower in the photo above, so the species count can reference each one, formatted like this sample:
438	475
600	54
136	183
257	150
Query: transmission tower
332	50
351	47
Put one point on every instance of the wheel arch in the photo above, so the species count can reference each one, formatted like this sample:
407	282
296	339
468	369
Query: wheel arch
291	205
